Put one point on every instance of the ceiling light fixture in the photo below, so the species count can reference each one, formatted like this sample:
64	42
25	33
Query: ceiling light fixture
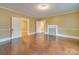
43	6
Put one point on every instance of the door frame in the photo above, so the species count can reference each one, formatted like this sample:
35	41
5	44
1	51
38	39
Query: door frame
27	19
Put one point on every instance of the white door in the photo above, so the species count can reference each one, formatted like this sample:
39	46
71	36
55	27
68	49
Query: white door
16	27
40	26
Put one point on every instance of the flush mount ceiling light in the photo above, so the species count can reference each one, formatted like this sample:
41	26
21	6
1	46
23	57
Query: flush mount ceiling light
43	6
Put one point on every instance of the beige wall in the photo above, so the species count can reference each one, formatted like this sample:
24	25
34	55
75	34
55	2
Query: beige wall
5	22
68	24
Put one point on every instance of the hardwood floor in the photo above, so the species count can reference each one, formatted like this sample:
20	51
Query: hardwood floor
40	44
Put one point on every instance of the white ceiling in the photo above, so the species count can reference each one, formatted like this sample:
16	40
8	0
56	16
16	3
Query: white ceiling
31	9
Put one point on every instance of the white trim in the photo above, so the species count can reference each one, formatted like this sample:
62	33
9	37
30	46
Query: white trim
4	39
16	37
7	39
32	33
68	36
49	34
62	35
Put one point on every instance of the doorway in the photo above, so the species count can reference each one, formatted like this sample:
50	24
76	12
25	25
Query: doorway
40	31
40	26
19	27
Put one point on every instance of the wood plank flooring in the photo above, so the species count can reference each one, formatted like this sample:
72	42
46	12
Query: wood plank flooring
40	44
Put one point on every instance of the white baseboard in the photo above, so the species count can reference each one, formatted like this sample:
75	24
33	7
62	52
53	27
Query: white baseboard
16	37
68	36
4	41
7	39
49	34
32	33
62	35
